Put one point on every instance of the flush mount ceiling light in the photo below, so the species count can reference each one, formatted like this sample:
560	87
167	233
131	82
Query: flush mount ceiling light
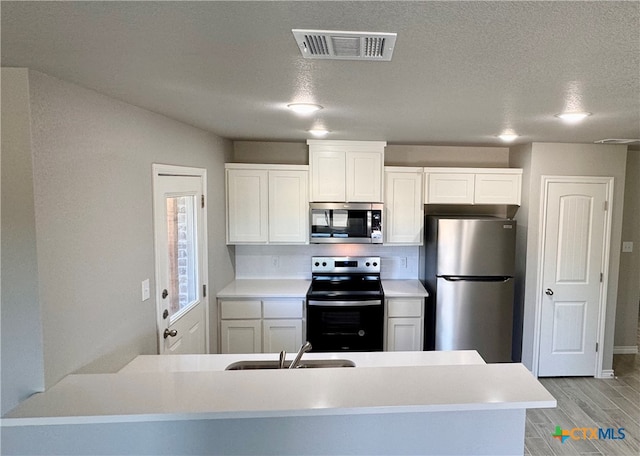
319	132
508	137
573	117
304	108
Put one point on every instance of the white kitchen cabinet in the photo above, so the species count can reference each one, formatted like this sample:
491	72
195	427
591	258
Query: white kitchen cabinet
473	185
346	171
267	204
261	325
281	335
403	220
247	206
405	324
240	336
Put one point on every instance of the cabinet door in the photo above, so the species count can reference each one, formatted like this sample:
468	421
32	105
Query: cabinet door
403	208
240	336
497	189
282	335
247	206
327	176
404	334
288	207
449	188
364	177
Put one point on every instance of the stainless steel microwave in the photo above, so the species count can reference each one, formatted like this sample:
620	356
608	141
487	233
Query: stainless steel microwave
346	223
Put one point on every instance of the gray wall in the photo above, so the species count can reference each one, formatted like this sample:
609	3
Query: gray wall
626	337
565	160
92	177
22	362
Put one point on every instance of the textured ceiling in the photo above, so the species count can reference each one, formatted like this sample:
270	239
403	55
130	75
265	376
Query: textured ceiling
462	72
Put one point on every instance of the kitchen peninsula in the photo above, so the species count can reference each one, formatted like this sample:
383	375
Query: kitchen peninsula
390	403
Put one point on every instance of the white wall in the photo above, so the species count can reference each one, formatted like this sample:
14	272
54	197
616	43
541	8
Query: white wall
567	160
626	337
22	362
92	177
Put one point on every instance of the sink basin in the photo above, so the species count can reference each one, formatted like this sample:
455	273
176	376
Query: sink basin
304	364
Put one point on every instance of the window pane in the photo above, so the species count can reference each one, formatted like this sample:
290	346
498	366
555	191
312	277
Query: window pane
182	253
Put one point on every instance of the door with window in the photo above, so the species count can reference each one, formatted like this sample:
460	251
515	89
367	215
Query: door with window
574	271
181	262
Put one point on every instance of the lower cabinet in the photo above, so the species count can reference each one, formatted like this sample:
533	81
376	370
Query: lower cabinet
405	324
261	326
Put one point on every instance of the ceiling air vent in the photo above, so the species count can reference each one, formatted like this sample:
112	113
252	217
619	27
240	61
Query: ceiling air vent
617	141
338	45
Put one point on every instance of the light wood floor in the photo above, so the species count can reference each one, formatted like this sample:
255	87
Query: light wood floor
590	403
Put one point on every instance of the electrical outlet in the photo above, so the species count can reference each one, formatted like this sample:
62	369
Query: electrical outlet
403	262
146	293
275	261
627	247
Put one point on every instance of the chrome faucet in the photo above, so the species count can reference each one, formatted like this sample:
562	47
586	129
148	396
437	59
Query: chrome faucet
305	348
283	354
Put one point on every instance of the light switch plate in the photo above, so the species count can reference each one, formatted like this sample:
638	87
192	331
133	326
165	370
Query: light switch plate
627	246
145	290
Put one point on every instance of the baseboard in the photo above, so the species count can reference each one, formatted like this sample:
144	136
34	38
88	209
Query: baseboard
606	373
625	350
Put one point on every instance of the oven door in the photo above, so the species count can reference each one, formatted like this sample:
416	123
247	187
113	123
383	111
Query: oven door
334	326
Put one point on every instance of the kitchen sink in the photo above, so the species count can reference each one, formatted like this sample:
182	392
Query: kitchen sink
309	363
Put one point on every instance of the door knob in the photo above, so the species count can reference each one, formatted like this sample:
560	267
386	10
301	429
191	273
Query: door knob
172	333
549	292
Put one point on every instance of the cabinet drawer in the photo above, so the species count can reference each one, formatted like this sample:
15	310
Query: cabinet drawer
240	309
283	309
405	307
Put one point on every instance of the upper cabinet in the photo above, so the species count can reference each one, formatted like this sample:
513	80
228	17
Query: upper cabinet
349	171
403	205
267	204
473	185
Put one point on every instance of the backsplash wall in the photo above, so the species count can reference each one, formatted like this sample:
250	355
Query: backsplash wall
294	261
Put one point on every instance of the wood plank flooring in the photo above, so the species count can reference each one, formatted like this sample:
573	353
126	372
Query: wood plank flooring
587	402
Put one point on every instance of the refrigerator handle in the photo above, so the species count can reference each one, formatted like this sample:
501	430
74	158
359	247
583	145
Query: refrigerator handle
477	278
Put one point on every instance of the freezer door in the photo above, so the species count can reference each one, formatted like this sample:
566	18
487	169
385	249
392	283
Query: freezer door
475	315
476	247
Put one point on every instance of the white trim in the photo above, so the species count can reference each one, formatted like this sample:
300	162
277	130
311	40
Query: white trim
625	350
544	182
158	170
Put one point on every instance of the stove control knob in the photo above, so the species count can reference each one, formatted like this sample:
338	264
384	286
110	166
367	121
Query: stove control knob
368	264
324	263
316	264
375	264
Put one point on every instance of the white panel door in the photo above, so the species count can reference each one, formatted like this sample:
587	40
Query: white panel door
404	334
181	259
240	336
449	188
497	189
573	263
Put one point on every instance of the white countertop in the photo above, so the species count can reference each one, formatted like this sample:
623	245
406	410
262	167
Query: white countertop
200	363
213	394
297	288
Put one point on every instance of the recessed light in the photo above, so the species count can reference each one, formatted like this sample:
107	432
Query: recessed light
508	137
319	132
304	108
573	117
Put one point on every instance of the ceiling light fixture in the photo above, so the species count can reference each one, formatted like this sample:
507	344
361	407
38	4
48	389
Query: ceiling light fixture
319	132
573	117
508	137
304	108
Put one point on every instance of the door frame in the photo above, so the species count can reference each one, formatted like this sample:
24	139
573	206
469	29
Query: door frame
546	180
163	170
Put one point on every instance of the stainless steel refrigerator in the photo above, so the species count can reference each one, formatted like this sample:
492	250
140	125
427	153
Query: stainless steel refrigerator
468	270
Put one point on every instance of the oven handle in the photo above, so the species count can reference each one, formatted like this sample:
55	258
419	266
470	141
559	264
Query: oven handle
331	303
